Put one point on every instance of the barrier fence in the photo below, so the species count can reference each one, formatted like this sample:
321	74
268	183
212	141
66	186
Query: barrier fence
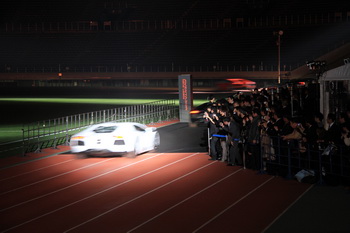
53	132
323	163
294	159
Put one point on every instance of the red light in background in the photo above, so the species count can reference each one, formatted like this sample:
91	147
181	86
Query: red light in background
195	112
242	83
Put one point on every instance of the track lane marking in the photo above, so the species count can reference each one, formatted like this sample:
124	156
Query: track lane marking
32	160
81	182
283	212
53	177
100	192
140	196
39	169
233	204
186	199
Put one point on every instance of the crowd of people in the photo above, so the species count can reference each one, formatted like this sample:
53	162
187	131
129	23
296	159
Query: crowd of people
250	129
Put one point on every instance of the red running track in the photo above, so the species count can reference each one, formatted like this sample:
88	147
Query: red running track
155	192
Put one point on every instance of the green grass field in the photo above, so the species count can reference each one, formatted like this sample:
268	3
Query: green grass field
19	111
88	101
80	100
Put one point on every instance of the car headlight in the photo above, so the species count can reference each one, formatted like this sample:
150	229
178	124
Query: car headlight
77	137
77	143
81	143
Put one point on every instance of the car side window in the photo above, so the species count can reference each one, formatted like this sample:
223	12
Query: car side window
138	128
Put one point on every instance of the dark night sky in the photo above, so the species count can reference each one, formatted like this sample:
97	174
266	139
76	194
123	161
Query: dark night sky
46	10
49	10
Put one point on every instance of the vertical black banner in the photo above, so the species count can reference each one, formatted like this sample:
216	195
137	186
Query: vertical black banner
185	97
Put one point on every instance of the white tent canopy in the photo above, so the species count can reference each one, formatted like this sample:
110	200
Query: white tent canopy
341	74
337	74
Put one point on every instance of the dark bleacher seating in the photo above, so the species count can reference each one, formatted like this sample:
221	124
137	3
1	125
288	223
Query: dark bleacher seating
205	48
240	45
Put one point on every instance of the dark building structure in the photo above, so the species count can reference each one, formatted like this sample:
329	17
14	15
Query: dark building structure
149	43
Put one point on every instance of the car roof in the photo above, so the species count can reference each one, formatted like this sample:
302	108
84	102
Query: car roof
117	124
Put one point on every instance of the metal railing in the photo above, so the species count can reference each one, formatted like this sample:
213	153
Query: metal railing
286	158
53	132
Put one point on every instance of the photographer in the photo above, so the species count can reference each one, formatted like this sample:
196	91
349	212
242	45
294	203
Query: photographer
253	136
266	142
297	132
346	135
213	123
233	128
294	139
223	113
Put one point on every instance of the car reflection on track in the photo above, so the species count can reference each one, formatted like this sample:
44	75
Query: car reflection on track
113	138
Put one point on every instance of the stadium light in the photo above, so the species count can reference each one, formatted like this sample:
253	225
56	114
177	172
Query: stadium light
278	43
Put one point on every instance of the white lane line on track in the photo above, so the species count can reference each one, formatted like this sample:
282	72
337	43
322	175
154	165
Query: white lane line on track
233	204
188	198
31	161
39	169
81	182
140	196
53	177
267	227
103	191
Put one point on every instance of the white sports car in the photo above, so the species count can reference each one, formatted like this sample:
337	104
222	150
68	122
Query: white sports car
115	138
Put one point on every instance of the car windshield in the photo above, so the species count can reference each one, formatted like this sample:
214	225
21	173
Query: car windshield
105	129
